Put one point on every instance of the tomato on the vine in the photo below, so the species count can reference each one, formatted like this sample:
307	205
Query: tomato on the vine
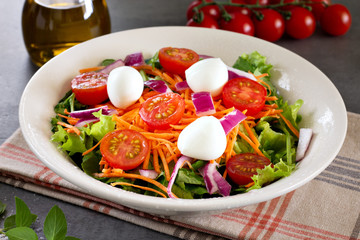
243	10
90	88
242	167
244	94
211	10
336	20
239	23
286	7
207	22
318	7
125	149
177	60
301	24
271	27
162	110
261	2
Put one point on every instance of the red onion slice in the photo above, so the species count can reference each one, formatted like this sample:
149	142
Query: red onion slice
236	73
86	116
181	86
112	66
134	59
230	120
158	85
203	103
180	162
148	173
305	135
214	182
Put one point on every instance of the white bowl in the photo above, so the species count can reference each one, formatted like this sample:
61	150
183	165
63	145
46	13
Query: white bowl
323	110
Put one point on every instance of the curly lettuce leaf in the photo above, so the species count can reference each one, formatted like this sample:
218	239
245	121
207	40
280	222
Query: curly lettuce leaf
70	142
99	129
270	174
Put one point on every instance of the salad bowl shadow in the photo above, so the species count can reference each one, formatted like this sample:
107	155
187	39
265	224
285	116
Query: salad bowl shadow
323	111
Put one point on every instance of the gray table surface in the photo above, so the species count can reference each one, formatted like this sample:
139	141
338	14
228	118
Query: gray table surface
336	57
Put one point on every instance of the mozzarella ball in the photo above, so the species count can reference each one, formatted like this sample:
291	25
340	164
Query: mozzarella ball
125	86
203	139
208	75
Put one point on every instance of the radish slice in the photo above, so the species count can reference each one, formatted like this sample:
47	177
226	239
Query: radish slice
305	135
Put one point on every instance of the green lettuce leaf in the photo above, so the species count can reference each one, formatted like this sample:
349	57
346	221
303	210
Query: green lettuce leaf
270	174
70	142
99	129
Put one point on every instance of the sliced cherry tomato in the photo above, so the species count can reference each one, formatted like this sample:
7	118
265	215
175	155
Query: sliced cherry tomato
244	94
125	149
207	22
210	10
301	24
336	20
239	23
161	110
90	88
271	27
177	60
242	167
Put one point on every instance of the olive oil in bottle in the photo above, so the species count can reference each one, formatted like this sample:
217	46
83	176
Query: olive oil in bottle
52	26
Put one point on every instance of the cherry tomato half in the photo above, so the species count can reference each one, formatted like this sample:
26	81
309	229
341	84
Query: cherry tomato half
161	110
336	20
301	24
177	60
244	94
242	167
90	88
271	27
207	22
210	10
239	23
125	149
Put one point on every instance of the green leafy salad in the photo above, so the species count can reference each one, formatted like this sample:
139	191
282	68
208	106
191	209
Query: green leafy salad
179	125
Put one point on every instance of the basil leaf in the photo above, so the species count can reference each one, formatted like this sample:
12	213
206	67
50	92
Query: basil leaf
23	217
55	226
9	223
21	233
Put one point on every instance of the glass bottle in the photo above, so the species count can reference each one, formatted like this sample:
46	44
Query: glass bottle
52	26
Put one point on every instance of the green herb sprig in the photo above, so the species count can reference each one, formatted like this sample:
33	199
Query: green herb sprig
18	226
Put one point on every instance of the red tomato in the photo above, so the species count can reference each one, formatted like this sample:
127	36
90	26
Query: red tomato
336	20
125	149
301	24
239	23
244	94
90	88
207	22
243	10
271	27
261	2
318	7
211	10
242	167
286	7
177	60
159	111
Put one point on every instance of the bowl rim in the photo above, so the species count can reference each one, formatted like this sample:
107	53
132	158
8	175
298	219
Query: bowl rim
150	203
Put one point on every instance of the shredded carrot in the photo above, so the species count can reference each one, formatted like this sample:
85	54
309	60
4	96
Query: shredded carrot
248	140
271	98
70	128
251	134
249	184
146	161
92	149
91	69
165	164
291	127
138	186
70	120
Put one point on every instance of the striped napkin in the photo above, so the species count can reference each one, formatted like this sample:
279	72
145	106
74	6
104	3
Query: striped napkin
327	207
